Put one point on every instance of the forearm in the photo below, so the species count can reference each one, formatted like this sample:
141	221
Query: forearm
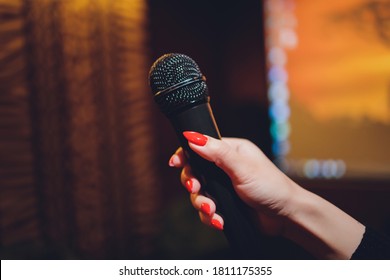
320	227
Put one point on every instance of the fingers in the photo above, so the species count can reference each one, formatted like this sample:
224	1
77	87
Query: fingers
206	208
178	159
188	180
215	221
222	153
204	205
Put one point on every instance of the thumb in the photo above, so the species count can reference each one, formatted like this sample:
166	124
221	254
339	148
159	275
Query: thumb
218	151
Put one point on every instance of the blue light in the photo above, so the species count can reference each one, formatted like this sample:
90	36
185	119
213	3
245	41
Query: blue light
311	169
280	131
278	91
281	148
279	111
277	74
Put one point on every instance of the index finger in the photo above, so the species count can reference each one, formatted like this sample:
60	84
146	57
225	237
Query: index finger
178	159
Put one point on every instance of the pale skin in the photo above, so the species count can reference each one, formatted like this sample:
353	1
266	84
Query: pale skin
281	206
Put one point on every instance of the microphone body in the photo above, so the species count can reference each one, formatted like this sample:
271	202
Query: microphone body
239	229
181	92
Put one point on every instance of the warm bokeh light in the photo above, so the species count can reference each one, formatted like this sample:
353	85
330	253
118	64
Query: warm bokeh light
341	66
329	68
79	140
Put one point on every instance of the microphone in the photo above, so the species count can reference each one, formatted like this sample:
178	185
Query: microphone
181	92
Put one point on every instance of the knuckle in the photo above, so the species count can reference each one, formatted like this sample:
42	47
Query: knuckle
223	152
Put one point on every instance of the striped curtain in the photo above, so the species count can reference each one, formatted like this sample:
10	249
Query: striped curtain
78	175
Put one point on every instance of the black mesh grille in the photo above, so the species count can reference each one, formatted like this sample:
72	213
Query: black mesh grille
170	70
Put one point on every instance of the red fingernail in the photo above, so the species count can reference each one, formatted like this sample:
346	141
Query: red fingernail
205	208
195	138
189	185
216	224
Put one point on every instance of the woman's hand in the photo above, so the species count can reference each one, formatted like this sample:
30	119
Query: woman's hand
255	178
281	206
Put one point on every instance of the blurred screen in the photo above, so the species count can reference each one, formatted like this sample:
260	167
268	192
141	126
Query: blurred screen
328	67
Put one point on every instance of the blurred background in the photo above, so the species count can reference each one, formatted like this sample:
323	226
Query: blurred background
84	150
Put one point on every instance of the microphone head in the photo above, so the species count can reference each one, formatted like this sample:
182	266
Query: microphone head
177	82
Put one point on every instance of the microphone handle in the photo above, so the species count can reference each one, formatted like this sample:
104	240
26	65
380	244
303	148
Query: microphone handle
240	231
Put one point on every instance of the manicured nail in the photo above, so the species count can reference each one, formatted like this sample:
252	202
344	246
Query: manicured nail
171	163
195	138
189	185
205	208
216	224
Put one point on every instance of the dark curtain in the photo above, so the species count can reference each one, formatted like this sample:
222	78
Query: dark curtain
78	176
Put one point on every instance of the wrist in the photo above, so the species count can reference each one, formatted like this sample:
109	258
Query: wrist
320	227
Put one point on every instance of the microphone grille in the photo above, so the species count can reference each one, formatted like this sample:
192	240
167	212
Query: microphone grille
176	82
